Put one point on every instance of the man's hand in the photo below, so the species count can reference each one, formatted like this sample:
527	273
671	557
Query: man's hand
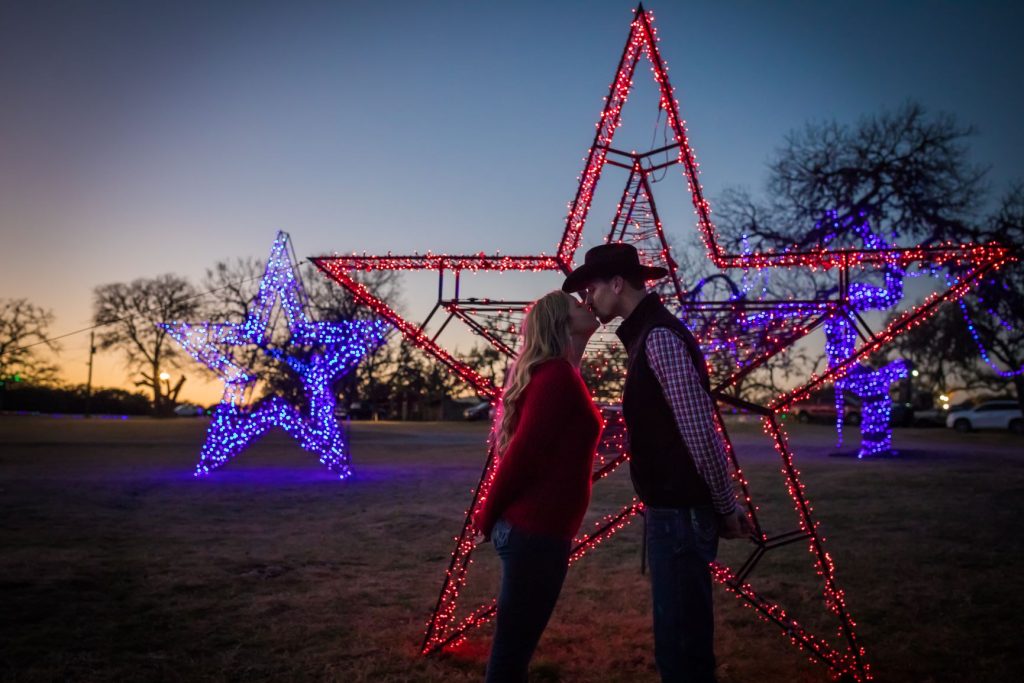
735	525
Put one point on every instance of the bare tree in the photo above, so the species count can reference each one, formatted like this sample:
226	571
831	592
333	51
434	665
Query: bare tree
231	287
905	170
994	310
24	332
909	174
129	313
940	352
330	302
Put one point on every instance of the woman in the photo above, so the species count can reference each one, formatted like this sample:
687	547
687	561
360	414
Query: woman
546	441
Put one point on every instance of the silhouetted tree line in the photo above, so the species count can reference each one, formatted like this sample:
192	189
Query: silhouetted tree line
38	398
395	381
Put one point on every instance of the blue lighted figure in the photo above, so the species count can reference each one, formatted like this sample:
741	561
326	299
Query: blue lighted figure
318	352
869	385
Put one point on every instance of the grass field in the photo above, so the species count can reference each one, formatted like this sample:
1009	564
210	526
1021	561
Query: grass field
117	565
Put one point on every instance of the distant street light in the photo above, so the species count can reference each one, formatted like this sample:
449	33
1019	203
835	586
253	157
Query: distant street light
165	377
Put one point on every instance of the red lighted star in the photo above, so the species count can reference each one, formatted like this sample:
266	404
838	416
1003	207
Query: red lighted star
637	220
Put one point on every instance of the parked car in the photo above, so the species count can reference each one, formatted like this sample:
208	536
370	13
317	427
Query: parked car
358	410
930	417
821	407
480	411
999	414
188	410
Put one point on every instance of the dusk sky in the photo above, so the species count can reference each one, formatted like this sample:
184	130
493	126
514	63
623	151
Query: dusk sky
139	138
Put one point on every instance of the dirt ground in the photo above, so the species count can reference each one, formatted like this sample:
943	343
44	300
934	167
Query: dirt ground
116	564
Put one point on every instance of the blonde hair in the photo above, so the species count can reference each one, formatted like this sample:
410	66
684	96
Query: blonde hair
545	334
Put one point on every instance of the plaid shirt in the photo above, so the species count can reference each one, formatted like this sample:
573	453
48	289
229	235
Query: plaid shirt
694	412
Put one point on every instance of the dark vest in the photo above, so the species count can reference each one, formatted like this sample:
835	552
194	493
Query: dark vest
660	464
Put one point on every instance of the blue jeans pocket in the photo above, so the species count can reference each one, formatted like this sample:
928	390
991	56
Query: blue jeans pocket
500	533
704	522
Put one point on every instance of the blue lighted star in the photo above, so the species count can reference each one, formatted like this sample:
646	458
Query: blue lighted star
337	348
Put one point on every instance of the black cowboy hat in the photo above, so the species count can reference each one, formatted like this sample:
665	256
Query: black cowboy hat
609	260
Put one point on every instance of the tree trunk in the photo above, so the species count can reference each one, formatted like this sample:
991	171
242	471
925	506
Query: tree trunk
173	396
1018	384
155	378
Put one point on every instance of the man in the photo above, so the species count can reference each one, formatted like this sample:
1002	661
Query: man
678	460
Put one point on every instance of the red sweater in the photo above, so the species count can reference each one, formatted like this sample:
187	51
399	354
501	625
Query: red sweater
542	484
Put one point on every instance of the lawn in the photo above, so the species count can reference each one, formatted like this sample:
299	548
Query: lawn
116	564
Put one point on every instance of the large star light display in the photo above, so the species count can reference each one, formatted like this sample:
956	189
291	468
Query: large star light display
637	221
318	352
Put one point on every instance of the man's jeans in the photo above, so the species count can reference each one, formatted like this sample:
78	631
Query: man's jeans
681	542
532	571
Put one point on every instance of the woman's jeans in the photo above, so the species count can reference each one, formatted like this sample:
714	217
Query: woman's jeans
681	542
532	571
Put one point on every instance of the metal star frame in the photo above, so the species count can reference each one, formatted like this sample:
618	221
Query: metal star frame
637	221
318	352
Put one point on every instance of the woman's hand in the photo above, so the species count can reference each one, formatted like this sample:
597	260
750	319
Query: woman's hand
479	534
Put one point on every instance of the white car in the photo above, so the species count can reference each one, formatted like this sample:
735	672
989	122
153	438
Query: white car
188	410
988	415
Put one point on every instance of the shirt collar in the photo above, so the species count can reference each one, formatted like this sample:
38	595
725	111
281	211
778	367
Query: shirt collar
633	325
